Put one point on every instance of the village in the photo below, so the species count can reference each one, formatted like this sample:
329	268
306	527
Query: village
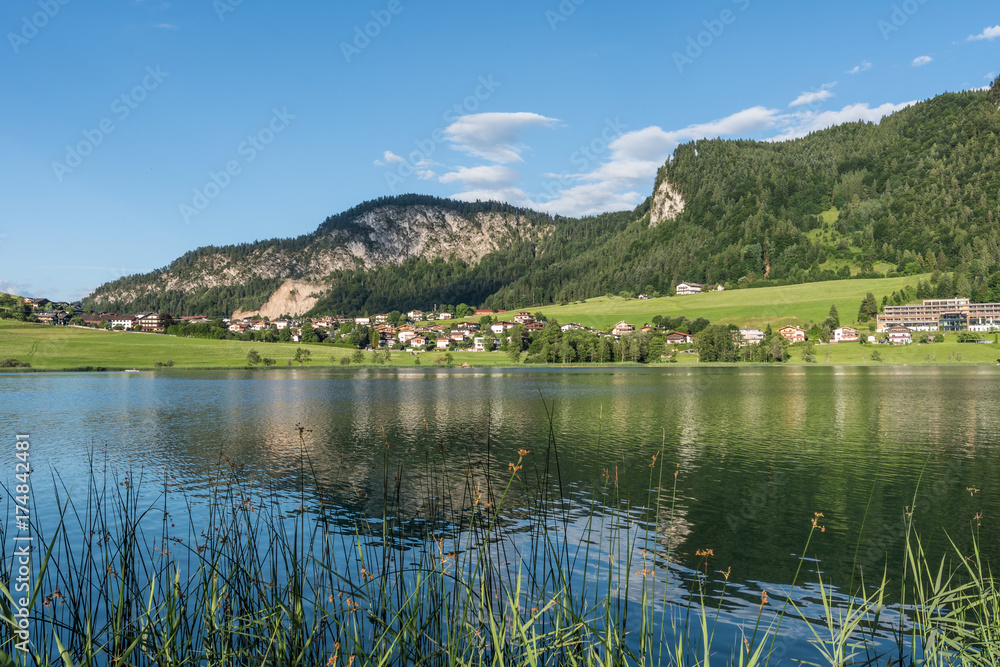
487	330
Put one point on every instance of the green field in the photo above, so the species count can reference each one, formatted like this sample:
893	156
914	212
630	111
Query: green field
803	305
61	348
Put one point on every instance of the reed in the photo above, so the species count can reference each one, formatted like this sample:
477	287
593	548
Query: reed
140	571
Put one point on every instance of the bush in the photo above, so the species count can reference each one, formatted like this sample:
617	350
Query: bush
14	363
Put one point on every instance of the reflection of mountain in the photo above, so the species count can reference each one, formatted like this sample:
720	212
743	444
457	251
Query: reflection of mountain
757	449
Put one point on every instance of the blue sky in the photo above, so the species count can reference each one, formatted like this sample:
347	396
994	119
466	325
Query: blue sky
133	131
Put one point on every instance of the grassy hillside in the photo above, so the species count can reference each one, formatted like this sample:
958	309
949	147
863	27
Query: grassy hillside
791	304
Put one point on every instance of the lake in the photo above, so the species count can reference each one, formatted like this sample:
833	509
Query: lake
757	451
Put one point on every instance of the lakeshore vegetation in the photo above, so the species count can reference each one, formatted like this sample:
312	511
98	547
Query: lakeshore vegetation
248	580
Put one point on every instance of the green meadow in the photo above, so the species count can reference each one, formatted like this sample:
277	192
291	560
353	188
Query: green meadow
71	348
68	348
803	304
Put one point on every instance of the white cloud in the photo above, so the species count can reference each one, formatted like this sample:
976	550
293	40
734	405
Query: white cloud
620	181
815	96
166	26
620	177
389	158
749	120
863	67
591	199
494	136
491	176
919	61
18	289
514	196
800	124
989	34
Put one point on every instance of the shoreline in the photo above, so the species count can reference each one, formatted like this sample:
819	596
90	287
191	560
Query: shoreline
501	366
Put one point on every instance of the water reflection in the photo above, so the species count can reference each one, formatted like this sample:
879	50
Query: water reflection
756	450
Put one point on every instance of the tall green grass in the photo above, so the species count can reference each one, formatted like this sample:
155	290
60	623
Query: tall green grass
284	573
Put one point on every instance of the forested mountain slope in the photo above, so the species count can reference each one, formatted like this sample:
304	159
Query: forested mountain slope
917	192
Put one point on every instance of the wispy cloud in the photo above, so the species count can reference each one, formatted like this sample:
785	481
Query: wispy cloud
920	61
388	158
863	67
19	289
988	34
166	26
800	124
815	96
494	136
623	180
623	177
491	176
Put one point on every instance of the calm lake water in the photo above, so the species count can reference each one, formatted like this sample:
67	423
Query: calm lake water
757	451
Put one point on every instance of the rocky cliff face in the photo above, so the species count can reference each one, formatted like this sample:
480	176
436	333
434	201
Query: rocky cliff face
381	236
668	203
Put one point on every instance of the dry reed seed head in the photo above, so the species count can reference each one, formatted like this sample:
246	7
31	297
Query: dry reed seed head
653	462
704	553
763	599
978	518
523	452
972	490
727	572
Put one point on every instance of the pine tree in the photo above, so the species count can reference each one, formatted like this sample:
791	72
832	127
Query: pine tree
309	334
834	317
868	309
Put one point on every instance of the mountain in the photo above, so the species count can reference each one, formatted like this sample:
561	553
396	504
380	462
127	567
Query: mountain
917	192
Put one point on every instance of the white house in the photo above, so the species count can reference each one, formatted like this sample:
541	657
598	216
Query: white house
793	333
845	335
900	335
689	288
623	328
750	336
678	338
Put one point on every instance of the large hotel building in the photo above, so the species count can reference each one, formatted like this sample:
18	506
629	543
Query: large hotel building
942	315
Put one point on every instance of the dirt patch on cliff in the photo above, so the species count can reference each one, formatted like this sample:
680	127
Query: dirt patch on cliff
294	297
